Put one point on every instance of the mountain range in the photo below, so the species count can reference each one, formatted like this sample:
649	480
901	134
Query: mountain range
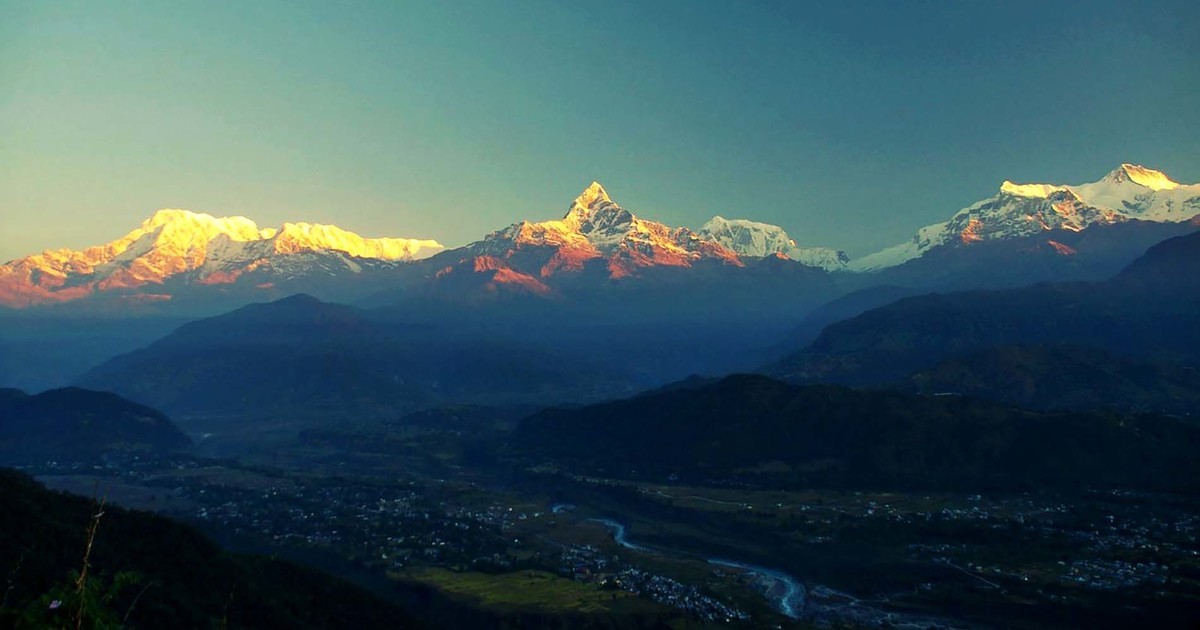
599	302
184	262
1128	193
179	247
1123	343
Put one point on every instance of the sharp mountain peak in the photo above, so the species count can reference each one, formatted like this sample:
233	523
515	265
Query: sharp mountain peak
1148	177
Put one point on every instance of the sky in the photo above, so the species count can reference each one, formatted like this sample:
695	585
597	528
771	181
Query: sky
850	124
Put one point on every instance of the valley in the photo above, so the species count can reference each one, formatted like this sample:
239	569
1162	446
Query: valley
509	540
543	315
604	421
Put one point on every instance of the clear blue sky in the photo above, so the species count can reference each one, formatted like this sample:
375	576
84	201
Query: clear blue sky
849	123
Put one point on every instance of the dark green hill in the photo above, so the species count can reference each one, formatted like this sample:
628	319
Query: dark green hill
752	429
301	355
294	353
74	422
1062	376
1150	310
185	581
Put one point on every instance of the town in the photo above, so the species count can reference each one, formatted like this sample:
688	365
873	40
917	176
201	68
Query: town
1058	550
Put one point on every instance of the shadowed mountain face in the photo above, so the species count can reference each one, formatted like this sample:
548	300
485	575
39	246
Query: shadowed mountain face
75	422
751	429
844	307
303	355
1060	376
1149	310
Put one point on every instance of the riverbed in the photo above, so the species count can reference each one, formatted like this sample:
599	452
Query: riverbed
785	592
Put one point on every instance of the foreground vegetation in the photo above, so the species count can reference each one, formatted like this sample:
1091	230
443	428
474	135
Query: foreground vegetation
145	571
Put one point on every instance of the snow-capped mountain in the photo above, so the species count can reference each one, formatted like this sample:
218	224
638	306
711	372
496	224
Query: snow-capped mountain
179	245
1034	231
1130	192
753	239
595	233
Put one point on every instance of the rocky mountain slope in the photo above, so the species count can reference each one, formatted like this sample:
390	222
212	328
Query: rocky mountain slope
596	237
753	239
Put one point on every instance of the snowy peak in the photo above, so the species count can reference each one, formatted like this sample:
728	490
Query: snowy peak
1148	177
593	211
748	238
759	240
196	223
182	245
1038	191
591	196
295	238
1128	192
595	228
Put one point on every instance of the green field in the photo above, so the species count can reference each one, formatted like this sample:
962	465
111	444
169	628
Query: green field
531	590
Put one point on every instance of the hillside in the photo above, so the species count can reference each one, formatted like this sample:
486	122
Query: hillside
303	355
183	579
1149	310
759	431
73	422
1062	376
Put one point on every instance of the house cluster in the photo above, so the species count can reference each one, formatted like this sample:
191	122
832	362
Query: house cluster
587	563
1111	575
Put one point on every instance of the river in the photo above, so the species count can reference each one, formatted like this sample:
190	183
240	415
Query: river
785	592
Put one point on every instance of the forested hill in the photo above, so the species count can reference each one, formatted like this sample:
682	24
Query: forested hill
752	429
173	576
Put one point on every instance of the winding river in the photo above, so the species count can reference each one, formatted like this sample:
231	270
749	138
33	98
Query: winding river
784	591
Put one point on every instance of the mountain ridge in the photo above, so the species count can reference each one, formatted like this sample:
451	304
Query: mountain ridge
756	239
594	231
177	259
198	247
1129	192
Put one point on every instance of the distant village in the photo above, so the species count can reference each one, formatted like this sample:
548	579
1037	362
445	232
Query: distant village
402	525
